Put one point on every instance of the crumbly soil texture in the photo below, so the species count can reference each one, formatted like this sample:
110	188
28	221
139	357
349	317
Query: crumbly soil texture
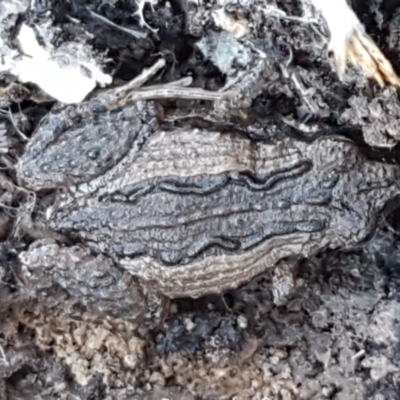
334	335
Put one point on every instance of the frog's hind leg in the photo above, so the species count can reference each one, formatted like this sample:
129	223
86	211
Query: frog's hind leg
350	43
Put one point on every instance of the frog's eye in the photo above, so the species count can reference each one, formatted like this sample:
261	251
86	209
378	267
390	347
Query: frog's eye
93	154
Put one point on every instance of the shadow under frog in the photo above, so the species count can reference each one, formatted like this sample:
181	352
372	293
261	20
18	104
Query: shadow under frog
192	212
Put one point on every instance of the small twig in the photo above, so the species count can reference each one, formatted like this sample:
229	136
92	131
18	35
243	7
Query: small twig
133	90
20	133
171	92
141	79
137	35
306	94
4	358
140	4
360	354
8	164
7	185
229	309
183	82
300	126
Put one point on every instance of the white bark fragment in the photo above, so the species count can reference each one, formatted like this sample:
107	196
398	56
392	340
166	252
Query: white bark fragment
342	23
69	81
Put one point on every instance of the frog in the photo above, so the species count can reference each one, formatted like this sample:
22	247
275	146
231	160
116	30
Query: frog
193	211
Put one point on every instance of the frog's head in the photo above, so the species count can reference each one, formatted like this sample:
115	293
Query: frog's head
69	148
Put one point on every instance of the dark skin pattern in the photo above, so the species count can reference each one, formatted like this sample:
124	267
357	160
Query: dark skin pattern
186	201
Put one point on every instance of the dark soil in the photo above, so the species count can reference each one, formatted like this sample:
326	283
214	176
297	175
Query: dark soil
335	337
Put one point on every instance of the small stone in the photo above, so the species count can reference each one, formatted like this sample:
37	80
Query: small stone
242	322
189	324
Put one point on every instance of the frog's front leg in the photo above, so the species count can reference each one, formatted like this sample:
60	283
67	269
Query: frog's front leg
350	43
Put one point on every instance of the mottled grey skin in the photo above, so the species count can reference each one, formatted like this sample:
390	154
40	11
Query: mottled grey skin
193	212
77	143
199	211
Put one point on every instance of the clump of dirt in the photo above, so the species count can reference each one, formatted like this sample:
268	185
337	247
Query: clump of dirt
336	337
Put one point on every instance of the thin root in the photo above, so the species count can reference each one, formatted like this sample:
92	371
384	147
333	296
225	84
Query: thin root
10	116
